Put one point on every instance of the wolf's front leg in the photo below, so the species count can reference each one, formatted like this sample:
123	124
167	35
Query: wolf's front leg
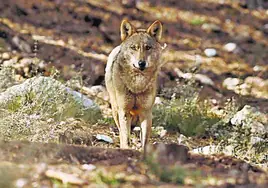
146	126
125	124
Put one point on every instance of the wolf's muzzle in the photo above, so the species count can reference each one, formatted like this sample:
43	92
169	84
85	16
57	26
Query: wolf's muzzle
142	65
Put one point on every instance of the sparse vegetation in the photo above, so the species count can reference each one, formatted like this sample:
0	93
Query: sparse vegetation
34	109
53	45
174	174
184	112
189	116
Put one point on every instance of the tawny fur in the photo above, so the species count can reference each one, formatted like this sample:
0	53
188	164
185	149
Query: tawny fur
132	90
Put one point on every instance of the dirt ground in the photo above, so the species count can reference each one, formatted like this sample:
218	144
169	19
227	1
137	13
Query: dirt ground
77	36
82	33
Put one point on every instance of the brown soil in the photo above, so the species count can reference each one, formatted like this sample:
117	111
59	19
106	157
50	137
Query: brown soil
91	26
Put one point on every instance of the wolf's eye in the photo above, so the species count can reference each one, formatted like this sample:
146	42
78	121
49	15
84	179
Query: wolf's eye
134	47
148	47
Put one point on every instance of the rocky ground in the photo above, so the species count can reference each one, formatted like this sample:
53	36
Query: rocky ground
56	123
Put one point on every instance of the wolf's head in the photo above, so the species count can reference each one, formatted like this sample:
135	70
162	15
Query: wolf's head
140	48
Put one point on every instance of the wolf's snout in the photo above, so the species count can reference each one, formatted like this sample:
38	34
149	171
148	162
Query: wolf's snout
142	65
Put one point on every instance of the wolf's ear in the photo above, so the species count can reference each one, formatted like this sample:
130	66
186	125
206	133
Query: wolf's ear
155	30
126	29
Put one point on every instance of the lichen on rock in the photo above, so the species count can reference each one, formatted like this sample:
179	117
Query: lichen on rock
36	108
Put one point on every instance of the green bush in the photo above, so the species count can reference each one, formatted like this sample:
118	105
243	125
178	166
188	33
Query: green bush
189	116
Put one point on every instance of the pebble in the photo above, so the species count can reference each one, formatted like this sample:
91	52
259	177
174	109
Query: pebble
258	68
210	52
10	62
250	117
230	47
105	138
5	56
21	44
157	100
204	79
211	27
212	149
231	83
87	103
88	167
26	61
160	131
136	129
21	182
241	115
255	140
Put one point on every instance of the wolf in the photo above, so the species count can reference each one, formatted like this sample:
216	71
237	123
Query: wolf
131	79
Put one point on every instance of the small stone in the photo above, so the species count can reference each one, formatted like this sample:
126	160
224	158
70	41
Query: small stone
136	129
211	27
230	47
258	68
88	167
97	89
241	115
21	44
162	133
129	3
157	100
204	79
255	140
21	182
181	139
206	150
105	138
210	52
231	83
249	117
5	56
8	63
255	81
26	62
212	149
87	103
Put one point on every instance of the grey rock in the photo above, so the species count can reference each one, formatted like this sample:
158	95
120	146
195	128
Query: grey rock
85	101
249	117
255	140
137	129
231	83
230	47
48	95
241	115
212	149
160	131
5	56
88	167
210	52
198	77
21	44
105	138
158	101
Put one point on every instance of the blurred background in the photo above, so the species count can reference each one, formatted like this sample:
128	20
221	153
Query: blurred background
53	55
222	44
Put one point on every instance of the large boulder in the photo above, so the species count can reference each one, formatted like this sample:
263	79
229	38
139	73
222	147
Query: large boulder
41	108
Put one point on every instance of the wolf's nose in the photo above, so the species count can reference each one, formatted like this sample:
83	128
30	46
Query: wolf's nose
142	64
